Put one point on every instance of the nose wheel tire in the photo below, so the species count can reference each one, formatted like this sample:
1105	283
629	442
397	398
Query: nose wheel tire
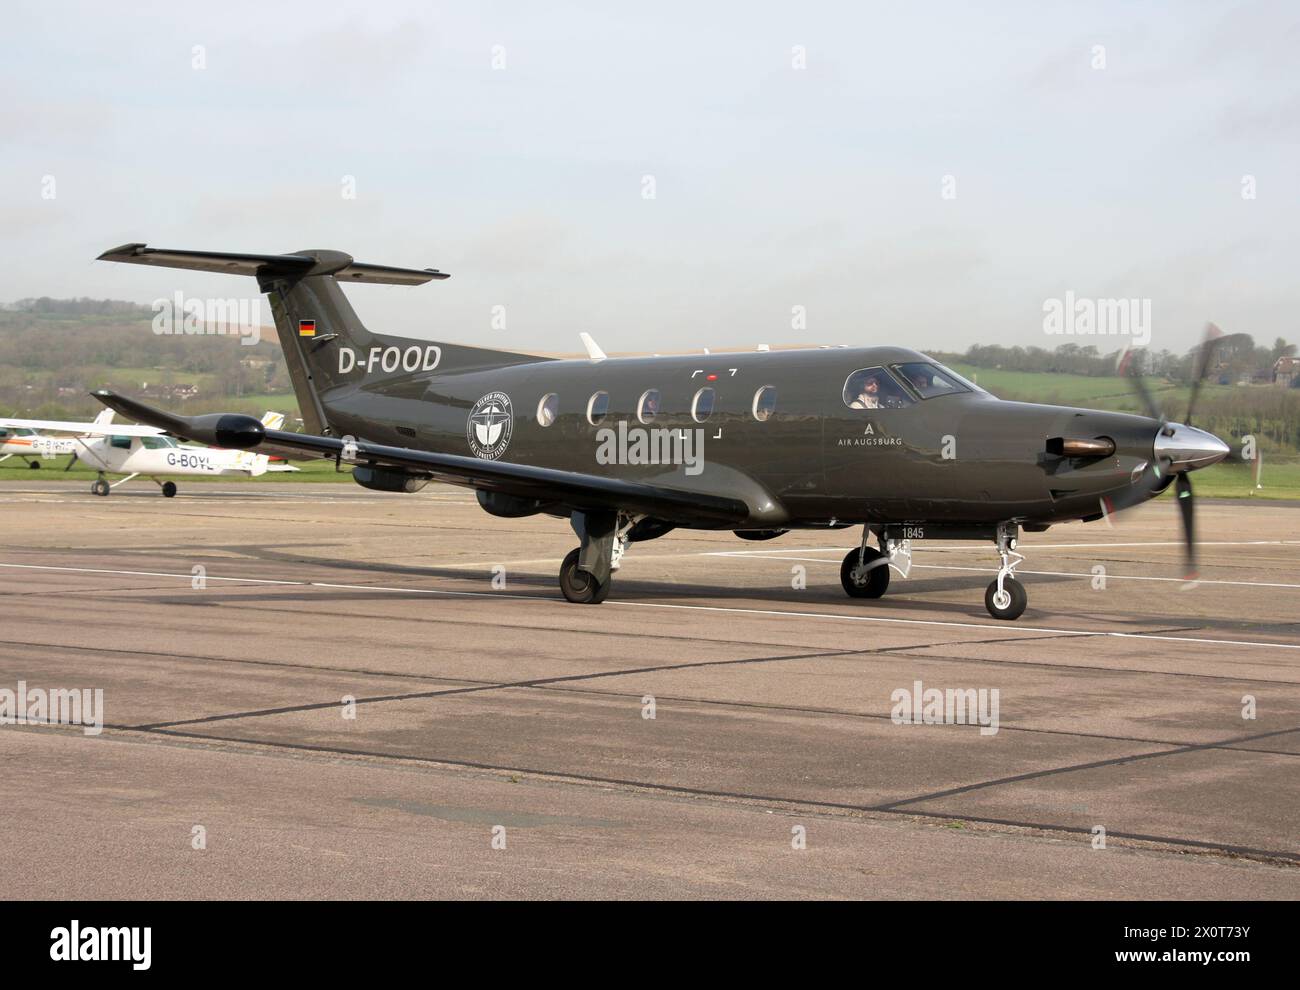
580	587
1010	604
169	489
865	581
99	488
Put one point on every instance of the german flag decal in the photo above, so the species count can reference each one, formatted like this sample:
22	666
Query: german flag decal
306	328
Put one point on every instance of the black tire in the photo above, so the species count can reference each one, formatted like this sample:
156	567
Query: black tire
169	489
869	581
34	465
580	587
99	488
1017	599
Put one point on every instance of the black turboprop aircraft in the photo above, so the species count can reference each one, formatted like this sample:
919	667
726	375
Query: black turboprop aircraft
627	449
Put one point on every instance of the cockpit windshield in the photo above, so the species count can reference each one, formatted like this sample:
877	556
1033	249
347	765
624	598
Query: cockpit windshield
930	380
158	443
874	388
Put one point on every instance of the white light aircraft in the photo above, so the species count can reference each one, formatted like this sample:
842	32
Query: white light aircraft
133	451
26	444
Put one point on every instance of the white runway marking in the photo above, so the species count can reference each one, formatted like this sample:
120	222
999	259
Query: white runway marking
1000	626
168	574
980	547
1020	570
827	616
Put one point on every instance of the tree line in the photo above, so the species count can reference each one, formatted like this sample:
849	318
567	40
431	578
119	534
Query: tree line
1237	357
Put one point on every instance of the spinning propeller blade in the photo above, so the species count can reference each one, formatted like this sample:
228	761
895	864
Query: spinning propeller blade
1187	509
1213	338
1177	449
1129	368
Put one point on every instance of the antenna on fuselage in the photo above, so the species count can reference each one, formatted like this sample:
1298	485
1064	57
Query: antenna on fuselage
593	349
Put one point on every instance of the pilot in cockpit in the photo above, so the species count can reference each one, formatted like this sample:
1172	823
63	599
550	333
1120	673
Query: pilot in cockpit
874	389
868	393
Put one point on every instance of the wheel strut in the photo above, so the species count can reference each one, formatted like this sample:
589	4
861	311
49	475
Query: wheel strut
587	572
1006	597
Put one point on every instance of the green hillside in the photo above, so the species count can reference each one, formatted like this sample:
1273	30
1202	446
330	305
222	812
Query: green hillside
54	352
1110	392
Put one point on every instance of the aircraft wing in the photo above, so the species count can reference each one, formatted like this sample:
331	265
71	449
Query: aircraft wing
90	429
568	488
290	453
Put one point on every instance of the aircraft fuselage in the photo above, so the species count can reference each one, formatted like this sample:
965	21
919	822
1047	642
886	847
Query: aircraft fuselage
812	461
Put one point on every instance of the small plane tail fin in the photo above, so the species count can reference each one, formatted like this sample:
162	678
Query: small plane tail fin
272	420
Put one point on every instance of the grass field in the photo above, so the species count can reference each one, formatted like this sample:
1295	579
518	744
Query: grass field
1280	480
53	469
1078	390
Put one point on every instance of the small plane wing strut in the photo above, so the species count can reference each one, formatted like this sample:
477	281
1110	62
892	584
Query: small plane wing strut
95	429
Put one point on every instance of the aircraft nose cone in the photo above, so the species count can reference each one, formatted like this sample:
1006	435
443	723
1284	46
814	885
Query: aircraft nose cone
1186	448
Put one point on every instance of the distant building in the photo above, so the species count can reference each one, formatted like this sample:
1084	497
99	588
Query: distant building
1285	371
179	392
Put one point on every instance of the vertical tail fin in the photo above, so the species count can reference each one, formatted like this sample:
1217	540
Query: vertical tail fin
325	344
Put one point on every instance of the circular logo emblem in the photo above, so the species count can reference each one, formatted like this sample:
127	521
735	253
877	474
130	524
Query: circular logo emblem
490	423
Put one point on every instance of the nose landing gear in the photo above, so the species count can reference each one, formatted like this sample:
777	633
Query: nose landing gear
864	573
1006	597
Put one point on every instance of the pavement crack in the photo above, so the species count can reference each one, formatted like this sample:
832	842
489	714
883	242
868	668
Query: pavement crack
1093	765
497	686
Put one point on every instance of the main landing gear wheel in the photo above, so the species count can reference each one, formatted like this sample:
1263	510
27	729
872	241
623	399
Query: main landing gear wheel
99	487
1009	603
169	489
865	580
34	465
580	587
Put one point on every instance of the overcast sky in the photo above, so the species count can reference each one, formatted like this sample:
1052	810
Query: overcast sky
775	185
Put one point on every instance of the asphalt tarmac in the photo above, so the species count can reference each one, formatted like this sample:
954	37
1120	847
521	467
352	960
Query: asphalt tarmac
499	741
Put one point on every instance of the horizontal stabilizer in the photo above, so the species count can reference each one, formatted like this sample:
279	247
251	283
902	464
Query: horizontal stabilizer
335	263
